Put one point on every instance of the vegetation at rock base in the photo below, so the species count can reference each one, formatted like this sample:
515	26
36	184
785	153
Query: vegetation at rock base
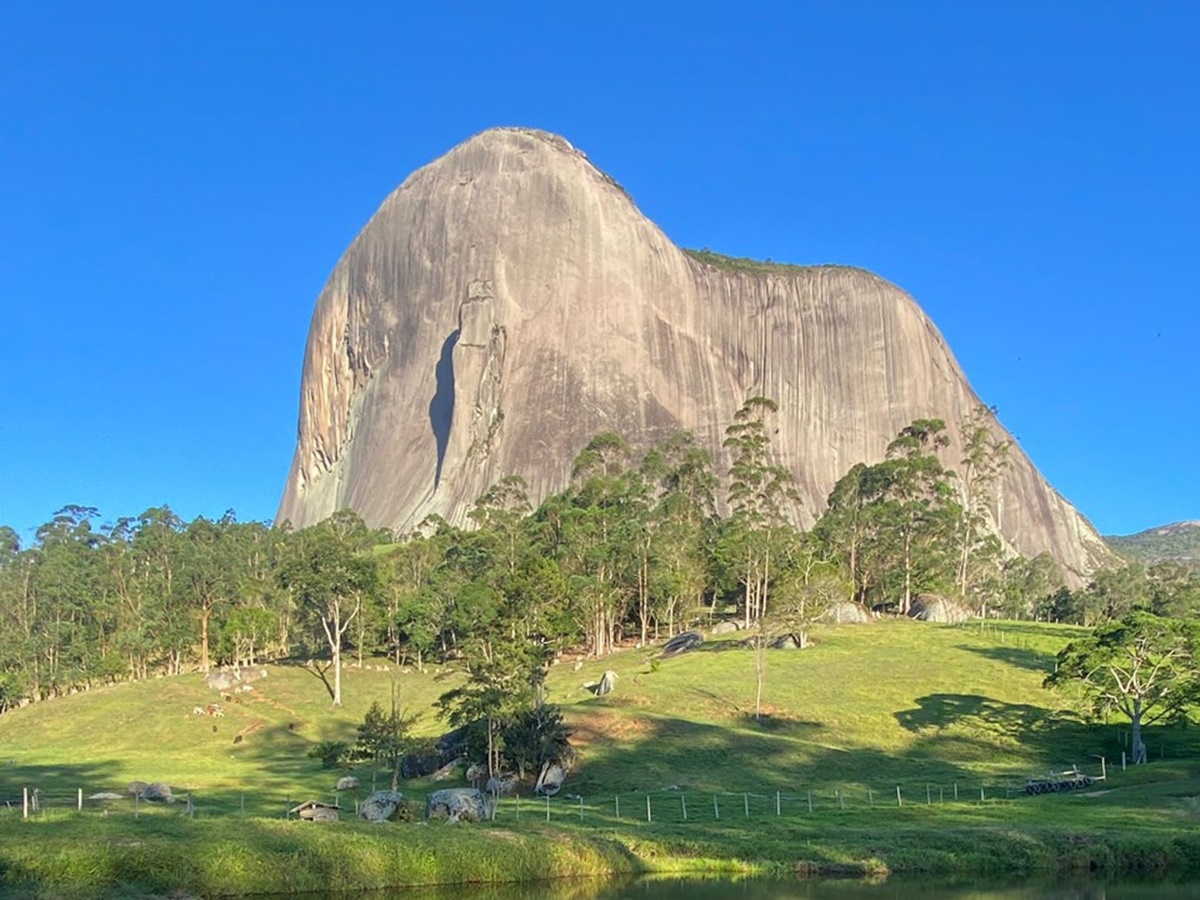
351	649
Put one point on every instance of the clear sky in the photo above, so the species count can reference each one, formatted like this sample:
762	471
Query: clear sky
178	179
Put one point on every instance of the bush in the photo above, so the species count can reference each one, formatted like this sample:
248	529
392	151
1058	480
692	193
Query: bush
332	754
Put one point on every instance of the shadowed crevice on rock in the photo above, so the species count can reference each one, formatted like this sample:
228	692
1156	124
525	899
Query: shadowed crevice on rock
441	407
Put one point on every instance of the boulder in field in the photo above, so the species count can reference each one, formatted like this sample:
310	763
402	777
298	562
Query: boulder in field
936	608
381	806
607	683
683	642
158	792
458	805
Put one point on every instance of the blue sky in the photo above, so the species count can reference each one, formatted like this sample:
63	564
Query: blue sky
178	179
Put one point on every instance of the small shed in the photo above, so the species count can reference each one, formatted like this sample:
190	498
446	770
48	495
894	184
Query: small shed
315	811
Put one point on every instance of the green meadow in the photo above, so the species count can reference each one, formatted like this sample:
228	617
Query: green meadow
674	773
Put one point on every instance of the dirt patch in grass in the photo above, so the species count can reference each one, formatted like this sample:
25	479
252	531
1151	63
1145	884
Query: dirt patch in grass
606	727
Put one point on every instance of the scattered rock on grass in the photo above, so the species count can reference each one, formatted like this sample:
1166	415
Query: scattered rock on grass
381	806
158	792
458	804
683	642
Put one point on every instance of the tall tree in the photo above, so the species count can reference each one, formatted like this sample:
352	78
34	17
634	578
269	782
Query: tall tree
1143	666
985	457
760	494
331	572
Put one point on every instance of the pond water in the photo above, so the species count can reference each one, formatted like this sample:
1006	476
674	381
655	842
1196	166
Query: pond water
842	889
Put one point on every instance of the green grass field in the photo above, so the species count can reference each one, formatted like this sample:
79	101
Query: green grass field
930	709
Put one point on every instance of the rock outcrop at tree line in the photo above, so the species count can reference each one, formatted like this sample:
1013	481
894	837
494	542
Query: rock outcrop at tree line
508	302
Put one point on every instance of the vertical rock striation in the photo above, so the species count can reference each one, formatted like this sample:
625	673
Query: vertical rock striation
509	301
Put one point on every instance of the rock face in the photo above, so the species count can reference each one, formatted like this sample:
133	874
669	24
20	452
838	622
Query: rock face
508	302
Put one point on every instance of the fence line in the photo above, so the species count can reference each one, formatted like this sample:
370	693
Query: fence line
664	807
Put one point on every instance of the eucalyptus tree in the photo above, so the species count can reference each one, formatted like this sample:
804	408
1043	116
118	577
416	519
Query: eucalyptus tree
331	572
1027	583
759	496
851	522
920	507
17	615
679	475
65	577
209	575
595	530
414	611
984	461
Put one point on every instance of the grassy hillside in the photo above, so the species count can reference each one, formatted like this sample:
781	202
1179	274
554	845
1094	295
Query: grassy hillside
1180	541
928	708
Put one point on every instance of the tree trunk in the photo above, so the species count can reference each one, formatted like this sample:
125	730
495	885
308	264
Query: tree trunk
1139	746
337	673
760	668
205	612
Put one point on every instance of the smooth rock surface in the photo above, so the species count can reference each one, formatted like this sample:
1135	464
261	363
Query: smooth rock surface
508	302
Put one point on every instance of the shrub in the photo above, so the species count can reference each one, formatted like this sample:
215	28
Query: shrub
332	754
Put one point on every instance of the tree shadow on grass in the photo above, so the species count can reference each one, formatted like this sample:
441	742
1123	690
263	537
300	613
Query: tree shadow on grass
635	753
941	711
1022	658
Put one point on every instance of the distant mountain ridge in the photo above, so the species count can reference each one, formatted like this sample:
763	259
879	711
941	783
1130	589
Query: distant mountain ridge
1178	541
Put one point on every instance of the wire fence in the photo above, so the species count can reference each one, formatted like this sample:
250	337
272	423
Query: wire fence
670	806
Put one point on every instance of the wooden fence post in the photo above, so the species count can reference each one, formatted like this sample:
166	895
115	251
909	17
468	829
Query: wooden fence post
24	803
617	802
810	800
746	801
649	817
683	803
777	804
547	807
79	800
716	808
899	799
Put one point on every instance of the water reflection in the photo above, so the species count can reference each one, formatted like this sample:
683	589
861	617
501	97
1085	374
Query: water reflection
759	889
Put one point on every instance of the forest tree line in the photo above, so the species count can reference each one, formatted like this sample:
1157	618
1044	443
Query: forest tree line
634	548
